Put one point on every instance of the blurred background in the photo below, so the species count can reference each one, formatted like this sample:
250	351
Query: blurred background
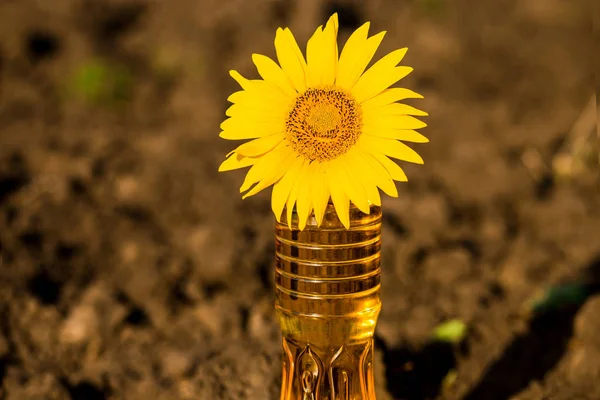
131	269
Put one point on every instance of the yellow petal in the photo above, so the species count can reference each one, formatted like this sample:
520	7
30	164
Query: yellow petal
256	117
395	109
372	193
237	129
396	173
290	58
377	173
268	170
339	195
356	192
291	200
356	55
236	96
235	123
303	204
243	82
363	177
389	96
252	117
240	135
405	135
257	112
351	52
281	189
374	122
272	73
260	96
235	161
263	102
259	146
262	88
330	51
314	58
375	84
391	148
232	134
383	66
320	192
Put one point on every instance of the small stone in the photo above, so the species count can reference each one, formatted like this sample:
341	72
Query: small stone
126	188
80	325
84	319
129	252
187	390
587	323
210	317
176	363
513	270
493	228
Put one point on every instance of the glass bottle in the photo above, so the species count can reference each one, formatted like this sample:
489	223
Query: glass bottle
327	303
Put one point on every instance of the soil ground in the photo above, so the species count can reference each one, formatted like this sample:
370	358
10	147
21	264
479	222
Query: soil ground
132	270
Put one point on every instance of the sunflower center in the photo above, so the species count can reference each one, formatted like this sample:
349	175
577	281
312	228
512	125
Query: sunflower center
324	123
324	119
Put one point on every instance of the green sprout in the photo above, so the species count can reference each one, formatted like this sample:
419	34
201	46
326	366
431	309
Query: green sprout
449	380
452	331
432	7
557	297
102	83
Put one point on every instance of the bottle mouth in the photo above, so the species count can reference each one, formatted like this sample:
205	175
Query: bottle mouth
331	220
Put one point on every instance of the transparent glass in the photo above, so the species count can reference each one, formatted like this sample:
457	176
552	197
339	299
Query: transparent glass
327	303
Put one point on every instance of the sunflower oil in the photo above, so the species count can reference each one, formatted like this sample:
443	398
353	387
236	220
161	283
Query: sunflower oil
327	303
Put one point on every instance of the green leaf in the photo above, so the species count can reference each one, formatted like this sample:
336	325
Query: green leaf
556	297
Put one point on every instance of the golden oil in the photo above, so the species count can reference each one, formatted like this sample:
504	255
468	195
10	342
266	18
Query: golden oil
327	303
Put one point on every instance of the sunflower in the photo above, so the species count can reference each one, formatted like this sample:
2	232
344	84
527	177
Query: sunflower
323	128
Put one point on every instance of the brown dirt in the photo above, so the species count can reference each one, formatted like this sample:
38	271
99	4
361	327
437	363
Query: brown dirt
132	270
